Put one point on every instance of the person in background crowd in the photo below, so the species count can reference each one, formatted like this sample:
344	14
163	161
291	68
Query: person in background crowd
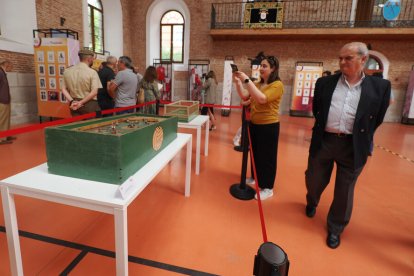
136	71
80	85
5	100
337	72
326	73
124	86
348	108
210	97
103	64
106	75
379	75
150	85
265	99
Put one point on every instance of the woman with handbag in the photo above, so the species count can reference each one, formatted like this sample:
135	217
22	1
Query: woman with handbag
148	91
210	97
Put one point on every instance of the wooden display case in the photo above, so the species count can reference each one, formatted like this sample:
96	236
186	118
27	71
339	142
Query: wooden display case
109	149
184	110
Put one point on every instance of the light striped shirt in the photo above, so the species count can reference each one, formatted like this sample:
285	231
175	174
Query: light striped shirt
344	106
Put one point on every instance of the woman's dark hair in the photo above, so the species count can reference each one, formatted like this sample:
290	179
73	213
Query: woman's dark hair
211	75
150	74
274	63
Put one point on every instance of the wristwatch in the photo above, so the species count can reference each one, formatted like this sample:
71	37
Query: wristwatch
246	80
70	103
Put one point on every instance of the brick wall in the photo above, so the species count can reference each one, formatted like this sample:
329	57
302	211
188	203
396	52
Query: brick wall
22	63
49	12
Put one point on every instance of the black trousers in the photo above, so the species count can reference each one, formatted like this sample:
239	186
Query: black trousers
106	105
204	110
341	151
265	139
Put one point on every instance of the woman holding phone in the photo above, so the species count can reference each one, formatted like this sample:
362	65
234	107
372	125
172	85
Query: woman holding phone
265	97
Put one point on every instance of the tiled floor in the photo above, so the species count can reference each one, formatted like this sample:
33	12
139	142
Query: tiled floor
214	233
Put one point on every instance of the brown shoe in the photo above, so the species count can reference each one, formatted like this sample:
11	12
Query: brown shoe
11	138
5	142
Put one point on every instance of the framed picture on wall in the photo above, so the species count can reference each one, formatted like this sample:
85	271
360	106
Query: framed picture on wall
40	56
63	99
43	96
51	57
60	83
52	83
42	82
263	15
41	70
52	71
53	96
62	69
61	57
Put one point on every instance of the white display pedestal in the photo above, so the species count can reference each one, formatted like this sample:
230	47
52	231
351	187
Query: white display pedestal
97	196
196	123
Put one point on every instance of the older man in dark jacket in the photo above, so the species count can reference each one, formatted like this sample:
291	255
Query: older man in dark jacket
348	108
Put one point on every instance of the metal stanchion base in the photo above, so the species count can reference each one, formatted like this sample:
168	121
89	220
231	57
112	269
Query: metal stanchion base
238	193
238	148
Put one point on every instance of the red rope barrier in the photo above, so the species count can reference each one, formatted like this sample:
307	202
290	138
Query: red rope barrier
65	121
257	190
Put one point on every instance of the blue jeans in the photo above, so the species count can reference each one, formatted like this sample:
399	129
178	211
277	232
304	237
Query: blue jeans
125	111
372	142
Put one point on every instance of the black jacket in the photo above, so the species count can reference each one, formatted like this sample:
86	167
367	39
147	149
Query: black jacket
372	106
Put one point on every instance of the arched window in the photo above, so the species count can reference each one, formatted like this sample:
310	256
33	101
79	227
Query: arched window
372	65
172	37
96	29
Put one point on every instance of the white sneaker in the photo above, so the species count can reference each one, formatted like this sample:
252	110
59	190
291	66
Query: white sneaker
250	181
264	194
236	141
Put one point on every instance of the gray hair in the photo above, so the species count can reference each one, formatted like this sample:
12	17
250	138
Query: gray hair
362	49
4	62
111	59
127	61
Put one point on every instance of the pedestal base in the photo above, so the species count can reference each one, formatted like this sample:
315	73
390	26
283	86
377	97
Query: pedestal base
238	193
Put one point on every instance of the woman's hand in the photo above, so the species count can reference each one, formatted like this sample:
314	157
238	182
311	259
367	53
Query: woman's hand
235	78
241	76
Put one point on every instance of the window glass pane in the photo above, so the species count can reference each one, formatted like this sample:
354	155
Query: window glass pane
95	3
172	17
166	42
372	63
178	42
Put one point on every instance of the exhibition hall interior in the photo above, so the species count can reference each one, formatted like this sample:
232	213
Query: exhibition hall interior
207	137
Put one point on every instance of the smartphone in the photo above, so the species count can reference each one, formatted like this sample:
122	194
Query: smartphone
234	67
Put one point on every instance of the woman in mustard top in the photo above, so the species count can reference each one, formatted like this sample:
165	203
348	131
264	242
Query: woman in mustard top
265	97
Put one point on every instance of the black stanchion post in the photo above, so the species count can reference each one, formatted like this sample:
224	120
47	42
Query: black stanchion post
158	107
271	260
241	191
98	113
240	148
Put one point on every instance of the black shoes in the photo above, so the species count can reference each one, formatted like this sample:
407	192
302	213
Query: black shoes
333	241
310	211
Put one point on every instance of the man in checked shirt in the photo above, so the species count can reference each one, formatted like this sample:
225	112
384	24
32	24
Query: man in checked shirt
348	108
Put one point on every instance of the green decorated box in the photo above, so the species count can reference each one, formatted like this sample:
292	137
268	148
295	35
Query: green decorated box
108	149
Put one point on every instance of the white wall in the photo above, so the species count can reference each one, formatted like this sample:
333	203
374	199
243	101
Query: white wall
155	12
18	20
113	30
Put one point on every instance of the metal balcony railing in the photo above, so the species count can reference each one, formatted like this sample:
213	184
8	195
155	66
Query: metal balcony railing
320	14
